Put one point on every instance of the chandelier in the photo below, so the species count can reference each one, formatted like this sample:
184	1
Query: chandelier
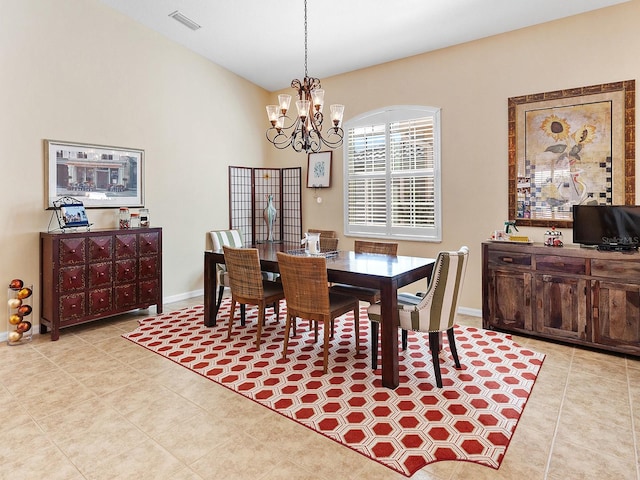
305	132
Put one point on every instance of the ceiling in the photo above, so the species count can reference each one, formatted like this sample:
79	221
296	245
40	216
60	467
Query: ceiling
263	40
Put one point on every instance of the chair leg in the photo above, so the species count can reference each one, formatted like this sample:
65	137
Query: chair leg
243	314
452	346
287	327
325	356
231	314
404	339
374	345
356	316
434	343
261	308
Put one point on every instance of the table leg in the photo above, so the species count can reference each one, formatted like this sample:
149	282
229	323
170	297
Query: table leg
210	288
389	334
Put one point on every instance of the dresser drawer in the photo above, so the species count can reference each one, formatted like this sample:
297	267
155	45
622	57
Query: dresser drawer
502	259
71	278
626	271
560	264
100	248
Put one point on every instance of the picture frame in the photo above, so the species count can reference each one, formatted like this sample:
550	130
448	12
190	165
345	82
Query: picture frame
73	215
99	176
319	170
568	147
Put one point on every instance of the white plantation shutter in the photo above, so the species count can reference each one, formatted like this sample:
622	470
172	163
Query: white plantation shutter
392	174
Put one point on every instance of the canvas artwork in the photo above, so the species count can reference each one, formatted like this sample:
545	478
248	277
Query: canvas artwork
568	159
570	147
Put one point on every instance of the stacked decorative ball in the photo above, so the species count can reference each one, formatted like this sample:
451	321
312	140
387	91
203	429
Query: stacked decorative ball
18	310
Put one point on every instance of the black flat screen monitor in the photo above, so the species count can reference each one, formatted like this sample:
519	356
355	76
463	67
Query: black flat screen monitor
609	227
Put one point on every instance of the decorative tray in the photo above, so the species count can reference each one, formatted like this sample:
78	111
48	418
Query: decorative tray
304	253
526	242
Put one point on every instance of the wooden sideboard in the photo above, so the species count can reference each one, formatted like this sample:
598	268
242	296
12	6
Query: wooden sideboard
572	294
86	276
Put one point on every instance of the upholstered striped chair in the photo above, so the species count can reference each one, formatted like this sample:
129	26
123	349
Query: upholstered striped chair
434	312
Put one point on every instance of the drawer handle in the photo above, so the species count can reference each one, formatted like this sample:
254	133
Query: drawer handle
72	251
507	259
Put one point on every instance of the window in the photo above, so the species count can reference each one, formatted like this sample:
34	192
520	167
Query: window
392	174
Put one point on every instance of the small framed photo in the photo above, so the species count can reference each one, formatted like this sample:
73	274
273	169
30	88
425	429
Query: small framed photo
319	170
74	215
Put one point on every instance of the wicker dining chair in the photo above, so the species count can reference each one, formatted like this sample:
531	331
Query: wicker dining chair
306	291
328	244
232	238
435	312
248	286
369	295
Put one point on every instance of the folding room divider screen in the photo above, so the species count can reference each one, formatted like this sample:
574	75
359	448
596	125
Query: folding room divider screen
249	189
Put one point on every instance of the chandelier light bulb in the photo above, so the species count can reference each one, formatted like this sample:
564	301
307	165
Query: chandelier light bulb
273	112
284	101
337	111
317	96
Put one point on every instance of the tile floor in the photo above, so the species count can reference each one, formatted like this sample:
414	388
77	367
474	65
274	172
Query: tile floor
95	406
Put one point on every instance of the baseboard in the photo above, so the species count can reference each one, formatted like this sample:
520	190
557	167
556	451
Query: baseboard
183	296
474	312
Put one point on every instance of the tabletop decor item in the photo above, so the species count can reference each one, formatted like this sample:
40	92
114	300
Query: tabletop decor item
269	214
19	328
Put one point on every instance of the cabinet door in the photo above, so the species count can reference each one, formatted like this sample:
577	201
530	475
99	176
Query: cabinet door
100	301
126	246
561	306
148	267
510	300
126	295
72	251
71	278
72	307
149	243
616	314
99	274
100	248
149	292
126	270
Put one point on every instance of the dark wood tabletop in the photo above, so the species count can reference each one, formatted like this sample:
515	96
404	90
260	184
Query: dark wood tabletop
384	272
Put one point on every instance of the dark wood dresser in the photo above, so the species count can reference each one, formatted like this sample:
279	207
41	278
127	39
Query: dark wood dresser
86	276
576	295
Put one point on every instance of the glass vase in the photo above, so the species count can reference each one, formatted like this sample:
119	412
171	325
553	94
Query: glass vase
19	324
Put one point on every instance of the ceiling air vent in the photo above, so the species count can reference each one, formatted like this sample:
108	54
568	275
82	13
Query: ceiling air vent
186	21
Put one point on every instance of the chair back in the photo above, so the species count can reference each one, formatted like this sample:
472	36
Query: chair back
383	248
219	238
328	244
324	233
305	283
243	268
437	309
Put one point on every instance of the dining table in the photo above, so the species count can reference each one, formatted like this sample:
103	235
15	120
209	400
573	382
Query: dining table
386	273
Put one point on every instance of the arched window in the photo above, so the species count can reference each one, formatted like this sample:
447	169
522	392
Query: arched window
392	174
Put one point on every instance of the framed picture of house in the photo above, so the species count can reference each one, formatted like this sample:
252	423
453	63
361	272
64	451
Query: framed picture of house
570	147
97	175
319	170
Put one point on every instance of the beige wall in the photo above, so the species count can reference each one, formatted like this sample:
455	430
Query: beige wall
471	84
76	70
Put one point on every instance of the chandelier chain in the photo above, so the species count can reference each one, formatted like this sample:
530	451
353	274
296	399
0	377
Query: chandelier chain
305	39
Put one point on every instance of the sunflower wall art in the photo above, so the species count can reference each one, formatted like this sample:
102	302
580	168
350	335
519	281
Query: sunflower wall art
570	147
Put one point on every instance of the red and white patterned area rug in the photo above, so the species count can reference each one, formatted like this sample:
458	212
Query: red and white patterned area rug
472	418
